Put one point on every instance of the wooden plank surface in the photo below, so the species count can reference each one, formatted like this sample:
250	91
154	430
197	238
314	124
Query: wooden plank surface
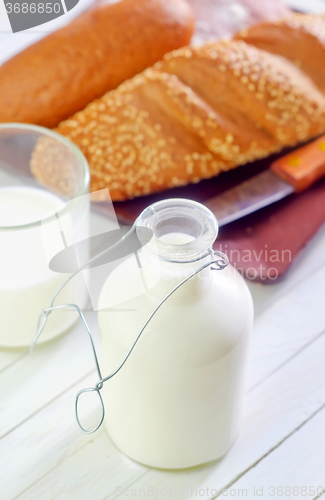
9	357
303	478
34	381
274	410
53	459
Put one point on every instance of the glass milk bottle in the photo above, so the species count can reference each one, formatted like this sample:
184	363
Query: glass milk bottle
177	402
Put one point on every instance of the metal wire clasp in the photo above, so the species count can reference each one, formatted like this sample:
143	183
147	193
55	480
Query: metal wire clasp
218	262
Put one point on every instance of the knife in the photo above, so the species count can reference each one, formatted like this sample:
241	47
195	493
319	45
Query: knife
292	173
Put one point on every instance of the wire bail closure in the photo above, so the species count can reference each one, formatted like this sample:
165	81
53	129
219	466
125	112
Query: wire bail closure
219	261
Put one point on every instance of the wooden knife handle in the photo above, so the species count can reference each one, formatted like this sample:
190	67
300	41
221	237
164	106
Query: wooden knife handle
302	167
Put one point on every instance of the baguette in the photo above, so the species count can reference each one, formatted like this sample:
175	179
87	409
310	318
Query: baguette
299	38
59	75
197	113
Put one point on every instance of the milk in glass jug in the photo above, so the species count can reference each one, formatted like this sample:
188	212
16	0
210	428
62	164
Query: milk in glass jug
177	402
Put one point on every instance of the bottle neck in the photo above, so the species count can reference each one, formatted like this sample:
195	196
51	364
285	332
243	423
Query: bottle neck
182	234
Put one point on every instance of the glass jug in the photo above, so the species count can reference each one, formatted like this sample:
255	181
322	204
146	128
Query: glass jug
178	400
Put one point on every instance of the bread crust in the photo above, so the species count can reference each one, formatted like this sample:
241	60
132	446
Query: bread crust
300	38
272	94
109	43
197	113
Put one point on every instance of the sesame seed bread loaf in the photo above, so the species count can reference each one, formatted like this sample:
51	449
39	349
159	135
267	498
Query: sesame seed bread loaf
198	112
96	52
263	92
299	38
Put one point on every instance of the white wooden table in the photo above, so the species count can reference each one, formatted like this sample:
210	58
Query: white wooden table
280	452
44	455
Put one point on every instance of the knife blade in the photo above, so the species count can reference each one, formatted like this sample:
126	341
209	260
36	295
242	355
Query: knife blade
292	173
248	197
